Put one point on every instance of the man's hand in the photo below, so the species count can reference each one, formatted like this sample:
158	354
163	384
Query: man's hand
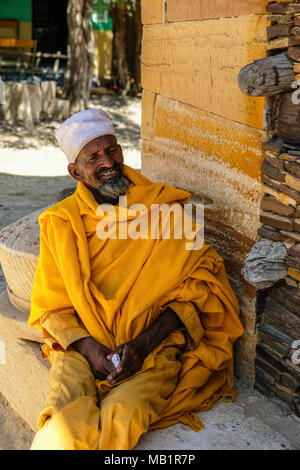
132	356
135	352
96	355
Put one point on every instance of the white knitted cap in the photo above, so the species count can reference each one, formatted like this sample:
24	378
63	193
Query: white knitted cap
81	128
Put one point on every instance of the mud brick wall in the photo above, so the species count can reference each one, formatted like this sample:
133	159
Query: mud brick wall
200	133
277	373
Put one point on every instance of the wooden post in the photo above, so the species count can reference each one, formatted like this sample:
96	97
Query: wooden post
56	62
38	59
266	77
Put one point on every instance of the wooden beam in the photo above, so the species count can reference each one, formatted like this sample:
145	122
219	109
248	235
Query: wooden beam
266	77
9	24
22	43
56	62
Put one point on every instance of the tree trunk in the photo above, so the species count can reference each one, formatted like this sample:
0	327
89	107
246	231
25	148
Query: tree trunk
78	78
138	51
120	70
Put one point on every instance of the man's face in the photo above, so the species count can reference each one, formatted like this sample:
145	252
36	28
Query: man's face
100	166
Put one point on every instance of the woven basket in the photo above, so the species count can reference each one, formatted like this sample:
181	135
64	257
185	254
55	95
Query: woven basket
19	252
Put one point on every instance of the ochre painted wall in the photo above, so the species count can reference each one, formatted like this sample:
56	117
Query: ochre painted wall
103	53
20	10
201	133
25	31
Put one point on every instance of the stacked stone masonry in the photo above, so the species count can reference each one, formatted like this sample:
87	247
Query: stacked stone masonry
277	371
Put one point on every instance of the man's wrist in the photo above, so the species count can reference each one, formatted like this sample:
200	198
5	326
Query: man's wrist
82	344
146	341
165	323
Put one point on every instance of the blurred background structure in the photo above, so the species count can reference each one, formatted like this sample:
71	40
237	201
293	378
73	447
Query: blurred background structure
80	44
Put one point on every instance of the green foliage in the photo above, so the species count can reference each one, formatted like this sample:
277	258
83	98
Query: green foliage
130	5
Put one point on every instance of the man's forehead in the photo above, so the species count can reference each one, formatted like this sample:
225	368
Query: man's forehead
99	142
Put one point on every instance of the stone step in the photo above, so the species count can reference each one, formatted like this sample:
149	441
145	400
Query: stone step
24	377
23	372
14	322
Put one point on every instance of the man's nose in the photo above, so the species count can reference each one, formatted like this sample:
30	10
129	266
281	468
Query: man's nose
107	161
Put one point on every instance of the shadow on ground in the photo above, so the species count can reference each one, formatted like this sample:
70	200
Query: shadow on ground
21	195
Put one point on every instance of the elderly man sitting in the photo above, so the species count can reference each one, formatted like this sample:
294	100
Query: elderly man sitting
139	330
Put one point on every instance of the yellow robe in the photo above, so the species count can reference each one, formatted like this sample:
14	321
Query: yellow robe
119	287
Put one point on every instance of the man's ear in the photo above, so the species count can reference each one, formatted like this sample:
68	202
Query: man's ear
72	169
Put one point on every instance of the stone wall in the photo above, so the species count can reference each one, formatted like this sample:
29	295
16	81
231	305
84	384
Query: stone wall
200	133
278	355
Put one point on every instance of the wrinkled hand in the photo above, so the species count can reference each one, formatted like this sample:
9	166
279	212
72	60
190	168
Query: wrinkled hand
96	355
132	356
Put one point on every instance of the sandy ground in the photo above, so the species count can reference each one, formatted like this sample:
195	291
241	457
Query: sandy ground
32	171
251	423
15	434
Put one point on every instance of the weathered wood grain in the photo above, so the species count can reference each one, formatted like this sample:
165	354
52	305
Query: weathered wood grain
268	76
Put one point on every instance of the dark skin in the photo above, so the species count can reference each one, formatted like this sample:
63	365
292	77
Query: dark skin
100	153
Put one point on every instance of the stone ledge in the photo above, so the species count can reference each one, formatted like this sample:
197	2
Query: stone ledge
14	323
24	377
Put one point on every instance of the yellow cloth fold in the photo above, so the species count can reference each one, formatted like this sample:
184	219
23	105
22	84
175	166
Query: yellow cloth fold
62	328
190	318
118	287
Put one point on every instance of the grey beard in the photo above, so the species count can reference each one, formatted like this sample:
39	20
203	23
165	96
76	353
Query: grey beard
111	190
